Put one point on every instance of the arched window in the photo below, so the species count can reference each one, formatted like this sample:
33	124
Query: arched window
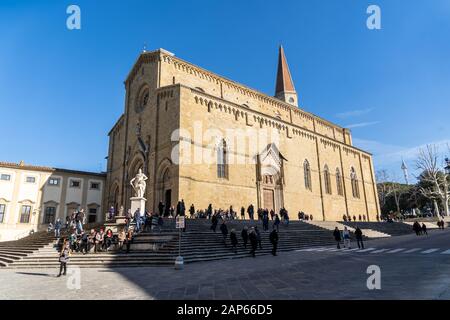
339	182
354	181
327	180
222	161
307	175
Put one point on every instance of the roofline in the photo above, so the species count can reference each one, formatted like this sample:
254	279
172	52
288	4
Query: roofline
116	123
274	99
29	167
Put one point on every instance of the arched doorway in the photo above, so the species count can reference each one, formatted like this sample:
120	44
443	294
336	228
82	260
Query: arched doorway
270	176
164	186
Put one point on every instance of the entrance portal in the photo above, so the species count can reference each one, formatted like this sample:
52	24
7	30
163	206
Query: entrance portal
167	201
268	199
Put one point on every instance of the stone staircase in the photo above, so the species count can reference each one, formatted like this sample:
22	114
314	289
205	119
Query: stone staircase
389	228
368	233
13	251
198	243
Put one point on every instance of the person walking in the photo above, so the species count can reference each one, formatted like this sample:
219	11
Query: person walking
129	239
359	237
161	208
424	228
242	213
258	237
224	230
244	235
265	221
137	219
84	243
233	240
346	236
250	211
64	258
58	225
417	229
192	211
273	237
121	239
277	222
253	242
214	222
337	237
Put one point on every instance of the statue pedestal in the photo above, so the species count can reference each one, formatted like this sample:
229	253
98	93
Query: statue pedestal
138	203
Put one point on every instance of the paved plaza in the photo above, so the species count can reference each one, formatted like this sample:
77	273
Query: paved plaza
411	268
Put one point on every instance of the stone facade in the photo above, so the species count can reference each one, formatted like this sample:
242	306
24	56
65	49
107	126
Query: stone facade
168	101
33	196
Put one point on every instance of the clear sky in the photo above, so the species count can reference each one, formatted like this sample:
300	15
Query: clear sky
61	90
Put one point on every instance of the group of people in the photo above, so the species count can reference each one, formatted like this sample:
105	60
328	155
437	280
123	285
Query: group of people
304	216
74	221
345	237
420	229
99	240
252	237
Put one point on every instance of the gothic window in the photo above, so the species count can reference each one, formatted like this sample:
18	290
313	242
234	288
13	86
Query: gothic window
222	161
142	99
354	182
307	175
339	182
327	180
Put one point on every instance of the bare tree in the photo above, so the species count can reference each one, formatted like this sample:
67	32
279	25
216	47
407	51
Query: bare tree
383	189
386	187
428	162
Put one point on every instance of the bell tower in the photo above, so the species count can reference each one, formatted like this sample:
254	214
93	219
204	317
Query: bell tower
284	89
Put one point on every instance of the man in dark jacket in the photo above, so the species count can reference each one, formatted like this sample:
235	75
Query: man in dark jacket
273	237
224	230
242	213
337	237
161	209
233	240
214	221
244	235
417	228
253	242
359	238
250	211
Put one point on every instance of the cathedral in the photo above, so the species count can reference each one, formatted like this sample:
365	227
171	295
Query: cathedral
207	139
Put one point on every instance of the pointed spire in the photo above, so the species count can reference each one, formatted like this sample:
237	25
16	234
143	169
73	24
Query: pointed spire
284	89
284	79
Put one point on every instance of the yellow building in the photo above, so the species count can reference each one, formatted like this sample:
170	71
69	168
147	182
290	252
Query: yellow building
206	139
31	197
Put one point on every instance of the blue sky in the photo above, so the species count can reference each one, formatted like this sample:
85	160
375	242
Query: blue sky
61	90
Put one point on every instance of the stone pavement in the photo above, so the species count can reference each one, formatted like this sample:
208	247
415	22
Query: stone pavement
291	275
